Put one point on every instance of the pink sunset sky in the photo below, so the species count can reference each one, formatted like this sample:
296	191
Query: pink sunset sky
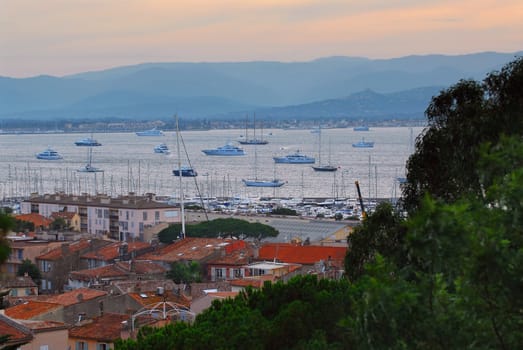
60	37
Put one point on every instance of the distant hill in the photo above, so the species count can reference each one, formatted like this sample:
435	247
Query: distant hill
335	86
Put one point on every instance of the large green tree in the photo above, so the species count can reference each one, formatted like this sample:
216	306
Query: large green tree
218	228
460	119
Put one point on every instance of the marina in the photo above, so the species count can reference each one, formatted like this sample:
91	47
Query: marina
130	166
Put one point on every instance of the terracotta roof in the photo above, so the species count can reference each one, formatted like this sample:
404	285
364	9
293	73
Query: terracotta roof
30	309
37	219
237	257
120	269
38	326
255	282
147	298
20	282
57	253
106	328
223	295
188	249
306	254
75	296
63	214
18	334
112	251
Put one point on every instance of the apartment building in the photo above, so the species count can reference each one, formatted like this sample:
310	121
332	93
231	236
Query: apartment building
122	218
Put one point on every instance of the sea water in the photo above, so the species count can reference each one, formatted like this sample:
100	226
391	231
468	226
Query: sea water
130	164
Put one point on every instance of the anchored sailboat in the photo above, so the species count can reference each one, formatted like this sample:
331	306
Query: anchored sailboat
254	140
259	182
323	167
89	168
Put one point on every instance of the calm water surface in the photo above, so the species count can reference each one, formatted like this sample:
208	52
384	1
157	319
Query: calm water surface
130	165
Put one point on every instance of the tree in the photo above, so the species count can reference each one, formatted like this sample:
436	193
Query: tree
382	232
31	269
6	224
58	224
460	119
218	228
182	272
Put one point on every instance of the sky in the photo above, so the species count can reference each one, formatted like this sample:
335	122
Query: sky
61	37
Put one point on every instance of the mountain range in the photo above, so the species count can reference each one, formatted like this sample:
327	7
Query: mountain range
339	87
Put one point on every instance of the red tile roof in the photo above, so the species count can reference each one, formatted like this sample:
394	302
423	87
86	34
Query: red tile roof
306	254
63	214
38	326
120	269
237	257
37	219
188	249
30	309
112	251
75	296
57	253
18	334
148	298
106	328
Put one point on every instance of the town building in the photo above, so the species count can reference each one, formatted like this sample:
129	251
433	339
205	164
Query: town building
20	286
23	248
56	264
102	276
122	218
326	261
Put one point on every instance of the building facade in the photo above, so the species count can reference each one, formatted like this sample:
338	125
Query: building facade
123	218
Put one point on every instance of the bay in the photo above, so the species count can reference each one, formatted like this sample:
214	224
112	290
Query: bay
130	165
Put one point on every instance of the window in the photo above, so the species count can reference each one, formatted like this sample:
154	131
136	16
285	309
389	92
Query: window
44	347
157	216
46	266
20	254
81	345
144	216
219	273
102	346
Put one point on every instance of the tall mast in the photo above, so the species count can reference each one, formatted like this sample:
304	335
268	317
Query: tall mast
180	176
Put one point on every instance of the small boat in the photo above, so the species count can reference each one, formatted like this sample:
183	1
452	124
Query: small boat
185	171
152	132
49	154
361	128
263	183
325	168
363	144
88	141
295	158
227	150
162	148
89	168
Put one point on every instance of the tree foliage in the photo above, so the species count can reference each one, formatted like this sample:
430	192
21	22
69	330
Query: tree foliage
31	269
6	225
218	228
460	119
185	272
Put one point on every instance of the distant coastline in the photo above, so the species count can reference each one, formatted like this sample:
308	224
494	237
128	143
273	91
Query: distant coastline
7	128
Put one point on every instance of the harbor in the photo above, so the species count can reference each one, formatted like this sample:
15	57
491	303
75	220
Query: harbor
130	165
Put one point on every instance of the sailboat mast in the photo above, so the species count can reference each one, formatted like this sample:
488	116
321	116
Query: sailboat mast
180	177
